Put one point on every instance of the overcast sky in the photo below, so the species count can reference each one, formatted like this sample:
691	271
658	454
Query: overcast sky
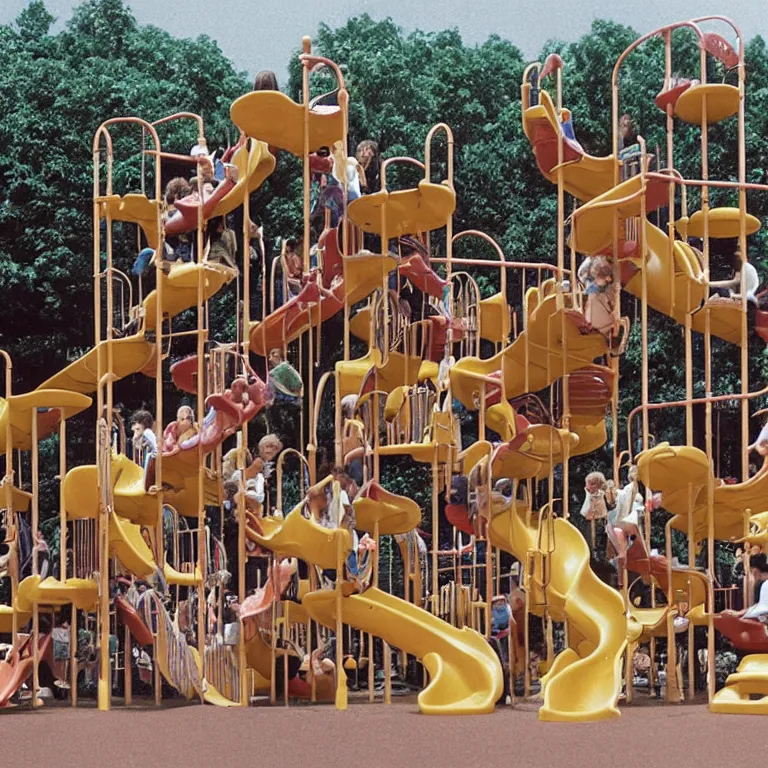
260	34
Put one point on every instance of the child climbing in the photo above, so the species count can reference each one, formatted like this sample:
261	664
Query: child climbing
599	495
624	521
501	614
367	156
596	275
293	264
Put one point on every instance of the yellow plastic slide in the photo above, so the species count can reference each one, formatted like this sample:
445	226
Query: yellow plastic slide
254	164
83	593
681	474
20	409
675	279
465	673
180	288
127	543
299	537
129	355
210	694
584	176
399	370
585	680
6	618
130	498
745	691
539	347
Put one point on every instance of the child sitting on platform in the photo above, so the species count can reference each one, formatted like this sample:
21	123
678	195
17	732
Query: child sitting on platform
144	439
181	430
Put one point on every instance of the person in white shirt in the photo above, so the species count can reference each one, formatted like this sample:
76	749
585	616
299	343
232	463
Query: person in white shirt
759	610
144	438
732	287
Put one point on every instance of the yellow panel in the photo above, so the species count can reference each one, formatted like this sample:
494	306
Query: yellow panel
738	697
395	514
135	209
424	453
465	674
272	117
33	590
6	619
723	222
180	289
407	211
428	370
495	324
129	355
591	437
360	325
20	499
724	319
20	410
722	101
251	175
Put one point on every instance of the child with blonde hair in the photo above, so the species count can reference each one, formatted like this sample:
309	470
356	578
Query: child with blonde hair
599	495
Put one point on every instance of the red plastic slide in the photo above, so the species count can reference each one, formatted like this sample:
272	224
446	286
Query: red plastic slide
17	670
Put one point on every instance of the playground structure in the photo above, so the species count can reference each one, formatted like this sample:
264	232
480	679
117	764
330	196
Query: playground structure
537	364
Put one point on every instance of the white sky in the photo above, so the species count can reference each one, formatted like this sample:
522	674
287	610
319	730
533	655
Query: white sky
260	34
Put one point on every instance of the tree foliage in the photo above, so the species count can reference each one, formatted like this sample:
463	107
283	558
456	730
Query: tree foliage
55	89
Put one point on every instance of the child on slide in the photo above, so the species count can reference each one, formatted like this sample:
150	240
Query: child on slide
181	430
624	521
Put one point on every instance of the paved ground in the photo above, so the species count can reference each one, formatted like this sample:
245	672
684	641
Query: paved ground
368	736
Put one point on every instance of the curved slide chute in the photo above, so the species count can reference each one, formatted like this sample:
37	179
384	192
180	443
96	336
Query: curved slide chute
585	680
465	674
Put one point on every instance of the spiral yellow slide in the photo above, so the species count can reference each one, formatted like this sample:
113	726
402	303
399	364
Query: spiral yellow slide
465	674
585	680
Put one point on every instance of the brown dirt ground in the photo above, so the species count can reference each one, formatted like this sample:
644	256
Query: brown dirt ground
368	736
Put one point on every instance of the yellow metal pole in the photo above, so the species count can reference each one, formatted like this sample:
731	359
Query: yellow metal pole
35	556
